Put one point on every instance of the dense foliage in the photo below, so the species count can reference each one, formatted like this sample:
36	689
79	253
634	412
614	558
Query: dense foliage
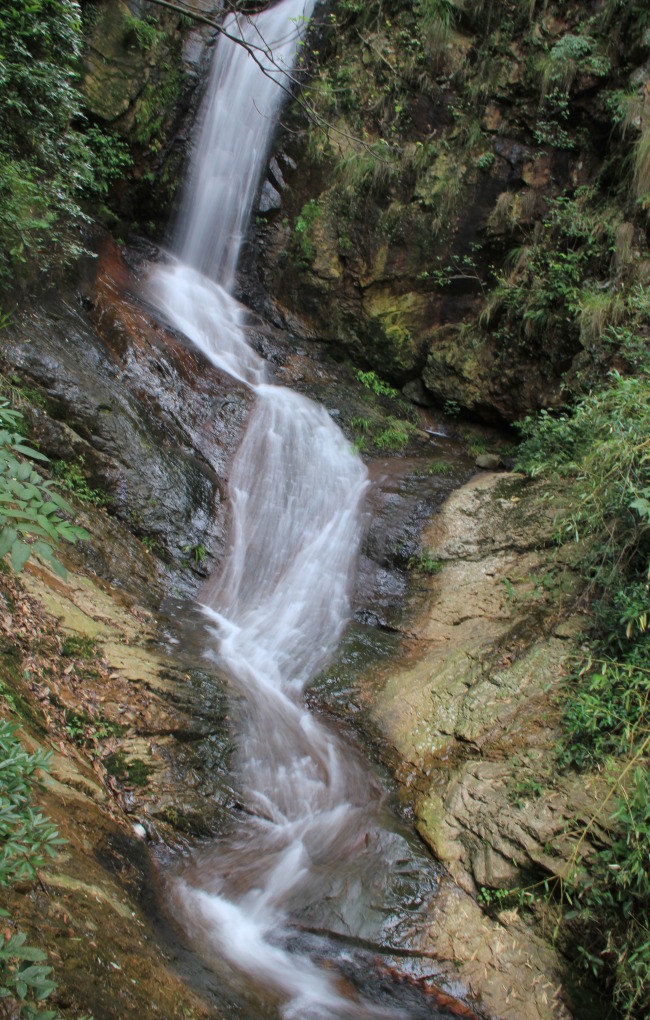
601	451
33	515
33	518
27	839
47	163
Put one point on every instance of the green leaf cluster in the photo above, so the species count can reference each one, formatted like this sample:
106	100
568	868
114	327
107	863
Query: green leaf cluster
372	382
27	840
47	162
144	30
599	453
541	289
617	896
33	515
303	245
70	475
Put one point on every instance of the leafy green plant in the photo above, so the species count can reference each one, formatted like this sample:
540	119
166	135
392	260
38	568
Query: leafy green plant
151	544
622	893
45	160
304	247
424	563
569	56
361	424
33	515
451	408
486	160
70	476
540	292
199	554
495	900
440	467
24	982
79	646
371	381
528	788
600	451
111	158
27	840
84	729
395	436
607	712
145	31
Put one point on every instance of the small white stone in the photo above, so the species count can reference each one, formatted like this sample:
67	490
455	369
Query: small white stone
139	830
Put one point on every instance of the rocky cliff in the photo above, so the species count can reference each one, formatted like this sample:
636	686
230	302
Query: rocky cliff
468	204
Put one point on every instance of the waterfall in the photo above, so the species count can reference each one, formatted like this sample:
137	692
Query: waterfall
282	597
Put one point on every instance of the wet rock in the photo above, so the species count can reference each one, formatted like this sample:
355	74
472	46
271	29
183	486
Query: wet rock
162	743
488	461
152	423
416	393
270	199
114	64
488	537
515	976
275	174
497	821
143	75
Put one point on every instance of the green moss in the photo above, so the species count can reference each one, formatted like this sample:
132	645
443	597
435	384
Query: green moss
79	646
153	106
394	321
133	771
303	246
142	32
71	476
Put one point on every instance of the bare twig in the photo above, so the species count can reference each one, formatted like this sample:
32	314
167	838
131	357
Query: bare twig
292	81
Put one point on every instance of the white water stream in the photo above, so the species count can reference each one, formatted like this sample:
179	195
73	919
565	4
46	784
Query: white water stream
280	603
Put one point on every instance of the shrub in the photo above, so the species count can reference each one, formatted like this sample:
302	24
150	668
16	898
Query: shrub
70	475
47	162
371	381
27	840
304	247
32	512
600	453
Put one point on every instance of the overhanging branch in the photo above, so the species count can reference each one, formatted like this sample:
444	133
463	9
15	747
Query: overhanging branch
291	86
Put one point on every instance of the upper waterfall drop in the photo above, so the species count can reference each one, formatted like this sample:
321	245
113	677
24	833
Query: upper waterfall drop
251	75
236	126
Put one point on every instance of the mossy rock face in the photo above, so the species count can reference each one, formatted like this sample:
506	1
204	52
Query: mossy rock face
393	325
157	445
488	376
447	149
143	74
114	70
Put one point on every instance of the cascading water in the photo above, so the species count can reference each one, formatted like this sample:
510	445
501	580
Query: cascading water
281	600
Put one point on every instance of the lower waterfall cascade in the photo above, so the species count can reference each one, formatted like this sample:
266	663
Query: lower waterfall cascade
311	829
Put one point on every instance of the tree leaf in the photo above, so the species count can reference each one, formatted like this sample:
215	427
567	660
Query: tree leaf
29	452
19	555
7	538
